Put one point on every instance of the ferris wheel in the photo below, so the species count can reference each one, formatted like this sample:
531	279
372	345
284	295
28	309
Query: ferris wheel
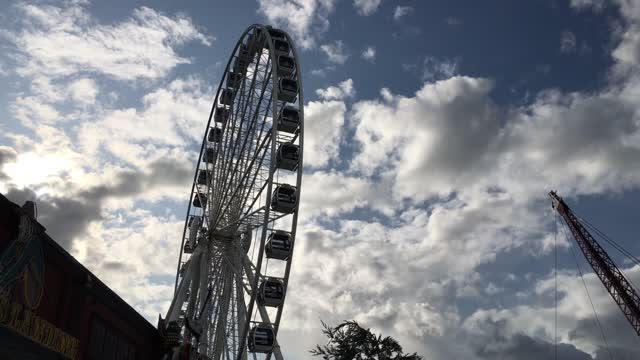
239	232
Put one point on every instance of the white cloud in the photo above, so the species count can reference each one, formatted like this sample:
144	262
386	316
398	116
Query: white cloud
369	53
319	72
60	41
597	4
324	122
401	11
31	111
336	52
567	42
438	69
108	248
305	19
340	92
171	117
575	314
366	7
84	91
347	193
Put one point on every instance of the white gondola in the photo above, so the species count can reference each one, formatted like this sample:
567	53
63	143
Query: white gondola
209	155
278	245
271	292
286	65
234	80
222	113
261	339
194	225
281	47
284	199
287	90
203	177
289	119
215	135
226	97
288	157
200	200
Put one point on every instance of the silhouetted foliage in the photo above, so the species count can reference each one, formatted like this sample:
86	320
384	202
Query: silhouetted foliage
349	341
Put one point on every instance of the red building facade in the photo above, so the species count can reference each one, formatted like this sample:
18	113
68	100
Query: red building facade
52	307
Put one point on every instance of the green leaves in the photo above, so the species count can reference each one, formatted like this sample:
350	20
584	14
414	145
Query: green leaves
349	341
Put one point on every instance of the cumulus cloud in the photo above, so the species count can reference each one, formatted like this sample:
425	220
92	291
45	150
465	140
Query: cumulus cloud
68	215
58	41
493	341
336	52
170	116
596	4
401	11
341	91
369	53
84	91
305	19
366	7
7	155
438	69
324	121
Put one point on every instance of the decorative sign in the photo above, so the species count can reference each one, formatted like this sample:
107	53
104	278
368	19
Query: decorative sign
23	263
13	315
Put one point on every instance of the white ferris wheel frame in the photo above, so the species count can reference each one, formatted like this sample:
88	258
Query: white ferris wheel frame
208	273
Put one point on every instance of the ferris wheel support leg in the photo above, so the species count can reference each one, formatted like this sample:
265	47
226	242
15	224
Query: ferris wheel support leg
181	294
221	327
241	312
195	283
202	297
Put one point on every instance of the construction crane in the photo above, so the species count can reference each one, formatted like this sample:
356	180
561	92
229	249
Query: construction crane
612	278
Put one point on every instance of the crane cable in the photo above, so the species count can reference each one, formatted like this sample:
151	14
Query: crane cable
584	283
613	243
555	275
617	246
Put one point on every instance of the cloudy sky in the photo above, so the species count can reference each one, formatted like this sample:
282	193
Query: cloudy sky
434	130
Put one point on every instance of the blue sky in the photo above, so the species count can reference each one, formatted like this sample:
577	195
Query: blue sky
434	131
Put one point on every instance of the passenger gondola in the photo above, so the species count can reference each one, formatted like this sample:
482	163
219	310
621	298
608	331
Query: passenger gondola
261	339
278	245
284	199
287	157
271	292
289	119
287	90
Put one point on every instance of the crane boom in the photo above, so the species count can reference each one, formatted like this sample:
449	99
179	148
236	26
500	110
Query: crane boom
612	278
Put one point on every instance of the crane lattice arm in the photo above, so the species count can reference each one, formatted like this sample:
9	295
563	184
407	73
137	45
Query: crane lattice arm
612	278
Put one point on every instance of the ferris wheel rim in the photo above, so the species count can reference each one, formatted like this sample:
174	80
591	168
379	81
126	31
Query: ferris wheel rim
274	109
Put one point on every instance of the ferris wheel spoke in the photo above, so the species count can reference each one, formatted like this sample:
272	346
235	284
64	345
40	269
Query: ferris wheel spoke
262	150
242	161
245	149
241	106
